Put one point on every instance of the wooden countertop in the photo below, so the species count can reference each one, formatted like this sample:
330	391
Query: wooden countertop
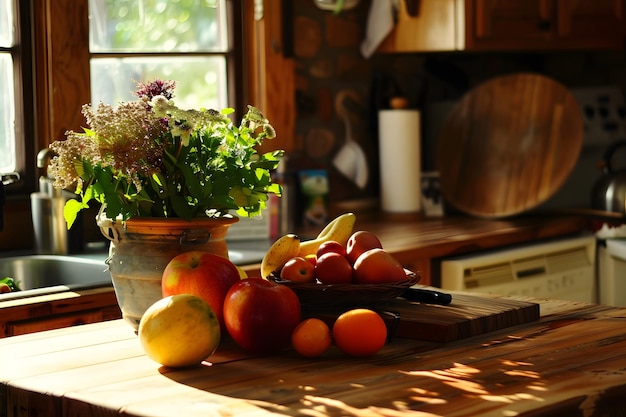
416	243
572	361
453	235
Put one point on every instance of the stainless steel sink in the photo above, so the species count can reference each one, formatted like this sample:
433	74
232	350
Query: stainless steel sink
45	274
36	274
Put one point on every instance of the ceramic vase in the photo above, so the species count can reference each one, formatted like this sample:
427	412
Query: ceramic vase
140	249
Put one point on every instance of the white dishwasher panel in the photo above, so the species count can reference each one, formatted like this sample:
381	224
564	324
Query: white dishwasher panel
562	269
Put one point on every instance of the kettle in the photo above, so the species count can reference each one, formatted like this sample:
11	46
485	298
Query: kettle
609	191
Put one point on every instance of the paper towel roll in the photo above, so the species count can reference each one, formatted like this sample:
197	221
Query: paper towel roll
400	160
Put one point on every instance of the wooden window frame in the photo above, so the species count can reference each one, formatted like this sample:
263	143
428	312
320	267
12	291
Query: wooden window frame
25	117
63	76
59	84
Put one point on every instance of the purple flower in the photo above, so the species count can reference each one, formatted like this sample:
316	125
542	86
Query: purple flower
156	88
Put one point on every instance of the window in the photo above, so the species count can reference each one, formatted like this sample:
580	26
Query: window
46	50
193	42
139	40
7	91
16	97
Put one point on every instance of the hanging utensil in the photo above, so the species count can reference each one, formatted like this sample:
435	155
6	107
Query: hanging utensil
351	160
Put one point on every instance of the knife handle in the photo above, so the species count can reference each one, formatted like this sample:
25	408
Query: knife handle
427	296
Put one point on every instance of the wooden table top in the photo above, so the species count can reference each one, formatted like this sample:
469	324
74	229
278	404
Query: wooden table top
572	361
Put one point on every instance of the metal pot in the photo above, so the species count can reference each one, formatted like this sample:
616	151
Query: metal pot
609	191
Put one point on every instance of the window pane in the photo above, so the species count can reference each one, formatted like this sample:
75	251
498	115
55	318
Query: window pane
199	80
7	115
157	26
6	23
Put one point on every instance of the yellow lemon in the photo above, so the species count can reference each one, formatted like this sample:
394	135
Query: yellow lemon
179	331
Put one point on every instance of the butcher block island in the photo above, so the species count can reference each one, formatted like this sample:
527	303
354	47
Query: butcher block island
569	360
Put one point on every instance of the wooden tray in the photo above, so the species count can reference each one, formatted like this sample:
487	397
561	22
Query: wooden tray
467	316
508	145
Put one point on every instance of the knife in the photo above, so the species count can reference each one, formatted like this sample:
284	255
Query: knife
427	296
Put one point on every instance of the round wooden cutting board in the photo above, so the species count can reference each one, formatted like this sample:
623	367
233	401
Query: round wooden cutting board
508	145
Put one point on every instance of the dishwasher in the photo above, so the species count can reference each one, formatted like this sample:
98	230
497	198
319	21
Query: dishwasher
559	269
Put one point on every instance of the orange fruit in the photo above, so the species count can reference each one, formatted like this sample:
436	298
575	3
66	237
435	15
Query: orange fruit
360	332
311	338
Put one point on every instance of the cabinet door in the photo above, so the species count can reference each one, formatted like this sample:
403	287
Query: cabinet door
591	24
434	28
509	24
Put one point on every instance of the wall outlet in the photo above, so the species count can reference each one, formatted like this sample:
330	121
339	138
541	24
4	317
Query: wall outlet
604	114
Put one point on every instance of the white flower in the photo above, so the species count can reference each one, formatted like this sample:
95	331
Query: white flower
183	130
160	105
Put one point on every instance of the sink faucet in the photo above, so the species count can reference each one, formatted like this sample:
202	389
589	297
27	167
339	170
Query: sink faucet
45	182
51	234
44	156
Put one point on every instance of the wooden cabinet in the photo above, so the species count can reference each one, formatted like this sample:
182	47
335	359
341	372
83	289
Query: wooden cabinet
14	328
53	311
592	23
496	24
544	24
436	27
504	25
270	83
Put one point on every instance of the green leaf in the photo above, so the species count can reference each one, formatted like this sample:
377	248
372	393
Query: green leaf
180	206
275	188
13	284
70	211
191	181
158	183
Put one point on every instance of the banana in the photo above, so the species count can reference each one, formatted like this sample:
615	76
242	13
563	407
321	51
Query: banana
339	229
283	249
346	217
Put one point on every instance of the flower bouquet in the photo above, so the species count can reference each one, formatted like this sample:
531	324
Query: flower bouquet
150	158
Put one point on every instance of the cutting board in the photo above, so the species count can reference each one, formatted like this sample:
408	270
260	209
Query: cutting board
468	315
508	145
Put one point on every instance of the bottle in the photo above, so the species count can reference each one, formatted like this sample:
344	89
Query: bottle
281	208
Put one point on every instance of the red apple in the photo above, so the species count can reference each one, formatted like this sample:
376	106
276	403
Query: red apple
260	315
331	246
377	266
298	269
359	242
202	274
333	268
